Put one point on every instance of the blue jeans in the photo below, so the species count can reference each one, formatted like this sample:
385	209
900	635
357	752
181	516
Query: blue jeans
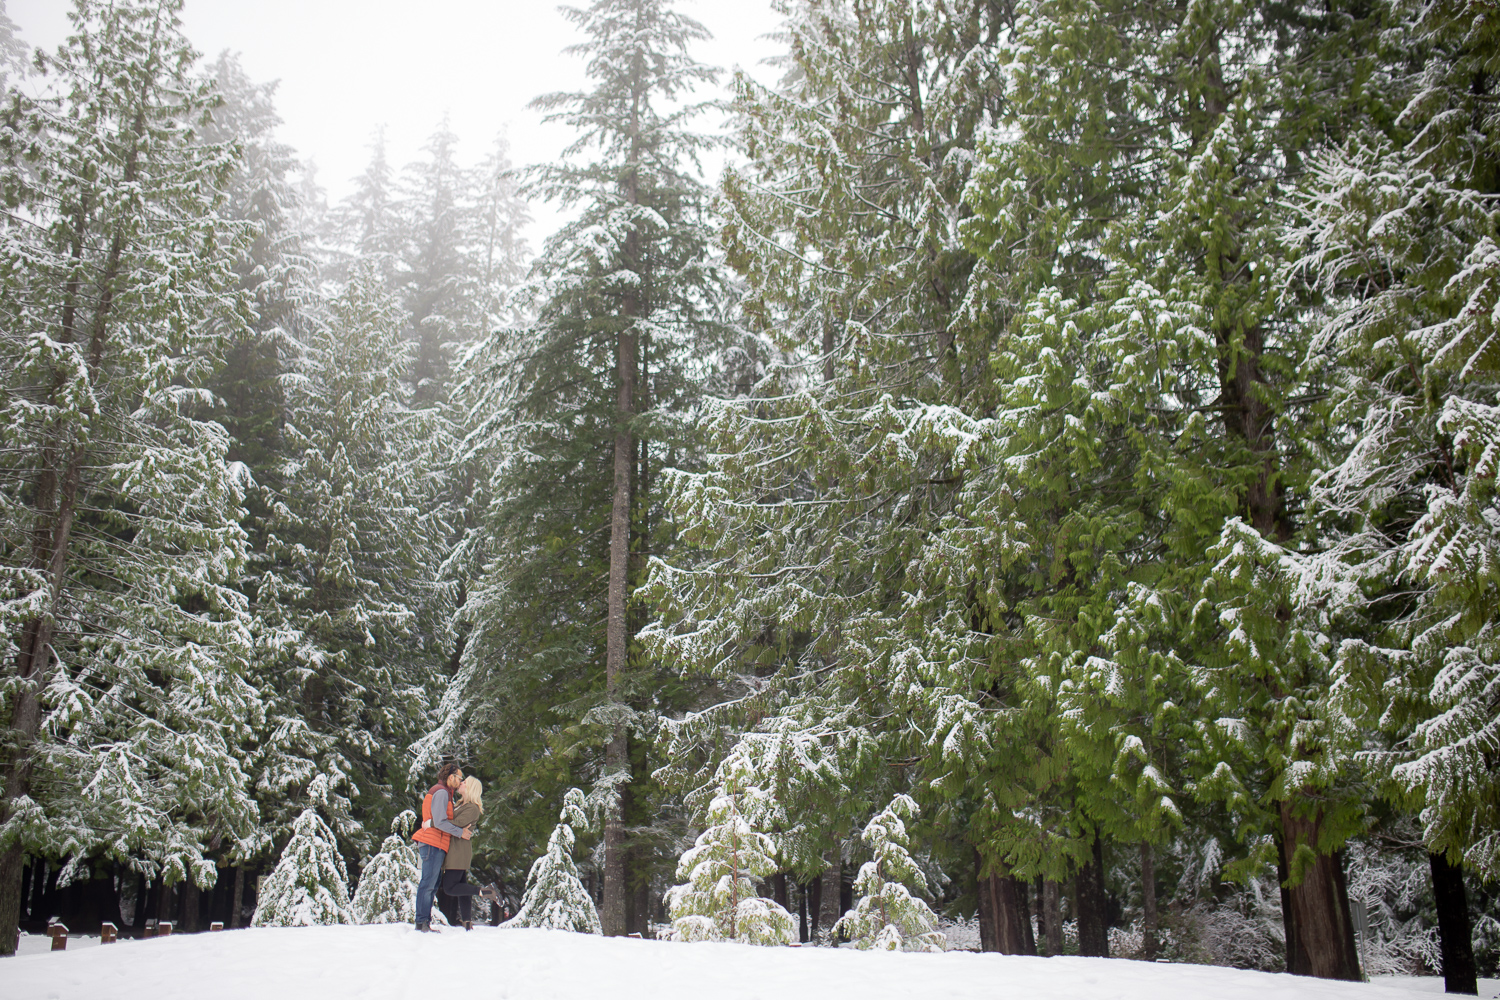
432	869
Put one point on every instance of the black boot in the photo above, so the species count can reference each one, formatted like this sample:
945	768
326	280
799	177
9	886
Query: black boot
424	928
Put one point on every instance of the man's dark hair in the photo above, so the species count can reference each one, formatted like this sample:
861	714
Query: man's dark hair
446	771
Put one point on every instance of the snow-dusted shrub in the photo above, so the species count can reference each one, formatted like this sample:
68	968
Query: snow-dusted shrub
1487	945
887	916
1395	889
310	884
1127	942
961	934
387	890
1212	922
719	898
1243	930
555	897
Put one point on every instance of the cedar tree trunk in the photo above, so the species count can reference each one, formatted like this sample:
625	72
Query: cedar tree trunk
1321	923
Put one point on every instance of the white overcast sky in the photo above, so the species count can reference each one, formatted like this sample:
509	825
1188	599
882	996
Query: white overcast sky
347	67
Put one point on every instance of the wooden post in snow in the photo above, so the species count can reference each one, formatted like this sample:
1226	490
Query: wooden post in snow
107	933
59	935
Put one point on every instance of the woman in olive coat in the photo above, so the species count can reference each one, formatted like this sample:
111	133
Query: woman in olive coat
461	852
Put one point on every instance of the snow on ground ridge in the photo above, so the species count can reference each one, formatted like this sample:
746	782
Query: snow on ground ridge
393	962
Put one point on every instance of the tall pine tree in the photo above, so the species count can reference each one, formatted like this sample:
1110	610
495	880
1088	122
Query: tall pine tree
574	402
125	636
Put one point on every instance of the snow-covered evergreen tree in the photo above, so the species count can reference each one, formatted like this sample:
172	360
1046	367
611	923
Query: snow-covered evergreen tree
499	248
387	890
310	884
365	226
887	916
437	266
719	898
123	634
555	897
1403	263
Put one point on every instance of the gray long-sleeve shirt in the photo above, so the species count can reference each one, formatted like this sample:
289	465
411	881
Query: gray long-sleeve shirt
440	818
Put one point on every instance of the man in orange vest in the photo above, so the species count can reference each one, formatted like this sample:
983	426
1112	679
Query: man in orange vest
432	839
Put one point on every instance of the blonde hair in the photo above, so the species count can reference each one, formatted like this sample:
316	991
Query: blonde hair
472	791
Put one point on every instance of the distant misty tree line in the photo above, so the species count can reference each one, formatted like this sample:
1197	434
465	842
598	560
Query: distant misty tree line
1067	436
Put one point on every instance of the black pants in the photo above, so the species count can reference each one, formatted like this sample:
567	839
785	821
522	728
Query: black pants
456	884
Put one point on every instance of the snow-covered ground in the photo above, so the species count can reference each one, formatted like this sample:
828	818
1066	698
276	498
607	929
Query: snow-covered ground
377	962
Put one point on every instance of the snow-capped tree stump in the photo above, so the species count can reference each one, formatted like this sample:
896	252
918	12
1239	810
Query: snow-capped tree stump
59	935
108	933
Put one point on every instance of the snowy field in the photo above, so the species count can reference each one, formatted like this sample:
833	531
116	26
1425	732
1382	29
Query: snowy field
377	962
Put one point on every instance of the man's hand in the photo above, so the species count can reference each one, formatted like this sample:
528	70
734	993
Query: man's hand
468	833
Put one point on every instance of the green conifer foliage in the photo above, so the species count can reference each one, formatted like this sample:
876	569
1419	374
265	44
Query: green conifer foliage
828	478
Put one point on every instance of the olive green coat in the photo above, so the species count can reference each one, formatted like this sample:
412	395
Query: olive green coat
461	851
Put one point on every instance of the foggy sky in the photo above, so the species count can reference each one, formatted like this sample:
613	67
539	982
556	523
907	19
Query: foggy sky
349	66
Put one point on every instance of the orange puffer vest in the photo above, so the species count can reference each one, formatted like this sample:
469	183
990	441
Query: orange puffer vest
430	834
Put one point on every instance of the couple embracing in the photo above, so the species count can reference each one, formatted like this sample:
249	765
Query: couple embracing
443	844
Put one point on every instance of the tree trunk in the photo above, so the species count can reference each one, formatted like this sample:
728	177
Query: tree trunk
1294	959
1023	906
1012	922
1040	904
239	896
986	907
1004	920
638	891
166	900
191	904
779	891
145	904
1323	927
617	756
1093	934
828	898
1052	907
23	908
1148	902
1453	925
814	891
